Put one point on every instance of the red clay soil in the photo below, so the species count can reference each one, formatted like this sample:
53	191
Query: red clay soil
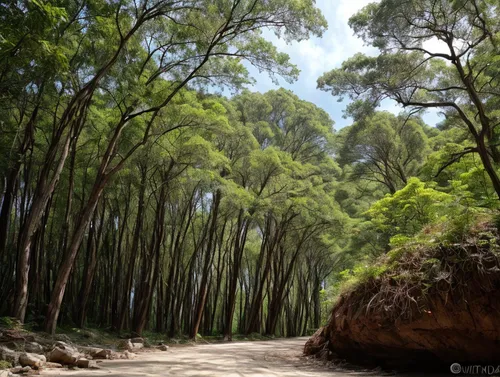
444	328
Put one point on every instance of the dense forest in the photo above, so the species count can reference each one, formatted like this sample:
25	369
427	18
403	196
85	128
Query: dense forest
135	196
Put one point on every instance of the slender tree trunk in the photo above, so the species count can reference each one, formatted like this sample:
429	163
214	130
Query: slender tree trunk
208	257
67	263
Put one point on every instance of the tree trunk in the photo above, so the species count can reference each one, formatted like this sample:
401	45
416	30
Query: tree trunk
208	257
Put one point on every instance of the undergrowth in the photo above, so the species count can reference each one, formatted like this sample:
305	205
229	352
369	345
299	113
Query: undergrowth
443	260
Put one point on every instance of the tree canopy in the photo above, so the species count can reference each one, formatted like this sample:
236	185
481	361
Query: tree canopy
136	197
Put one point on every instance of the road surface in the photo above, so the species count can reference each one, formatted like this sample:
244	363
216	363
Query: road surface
234	359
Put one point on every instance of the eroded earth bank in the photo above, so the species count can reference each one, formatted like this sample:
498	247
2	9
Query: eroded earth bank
428	306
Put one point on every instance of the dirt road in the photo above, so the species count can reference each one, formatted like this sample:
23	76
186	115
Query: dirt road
244	359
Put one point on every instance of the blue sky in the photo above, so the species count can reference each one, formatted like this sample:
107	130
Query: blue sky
318	55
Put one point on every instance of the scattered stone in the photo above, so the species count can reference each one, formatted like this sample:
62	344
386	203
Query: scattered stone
137	340
163	347
33	347
129	355
98	353
9	355
51	365
32	360
62	356
137	346
20	370
85	363
11	335
125	345
66	346
14	346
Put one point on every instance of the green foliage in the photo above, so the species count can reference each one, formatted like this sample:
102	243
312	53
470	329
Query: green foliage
410	209
383	148
112	134
9	323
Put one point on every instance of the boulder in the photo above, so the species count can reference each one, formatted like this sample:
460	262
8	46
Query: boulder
9	355
163	347
33	347
63	356
137	340
66	346
125	345
14	346
85	363
97	353
32	360
137	346
20	370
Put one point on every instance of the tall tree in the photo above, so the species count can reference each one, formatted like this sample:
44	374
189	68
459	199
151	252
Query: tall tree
383	148
459	76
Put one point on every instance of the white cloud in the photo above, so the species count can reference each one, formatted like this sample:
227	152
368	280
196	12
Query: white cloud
314	56
318	55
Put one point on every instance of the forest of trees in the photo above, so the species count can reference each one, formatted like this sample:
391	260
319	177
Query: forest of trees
134	197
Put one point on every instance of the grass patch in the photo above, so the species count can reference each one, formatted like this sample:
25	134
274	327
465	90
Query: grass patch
397	285
10	323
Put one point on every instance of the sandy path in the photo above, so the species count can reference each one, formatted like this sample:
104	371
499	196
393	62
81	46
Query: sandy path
249	359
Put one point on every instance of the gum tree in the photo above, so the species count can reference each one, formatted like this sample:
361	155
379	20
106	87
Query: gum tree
459	77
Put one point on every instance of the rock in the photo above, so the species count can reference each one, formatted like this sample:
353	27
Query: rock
97	353
12	335
137	346
137	340
4	373
63	356
9	355
163	347
20	370
33	347
125	345
50	365
85	363
14	346
32	360
129	355
66	346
